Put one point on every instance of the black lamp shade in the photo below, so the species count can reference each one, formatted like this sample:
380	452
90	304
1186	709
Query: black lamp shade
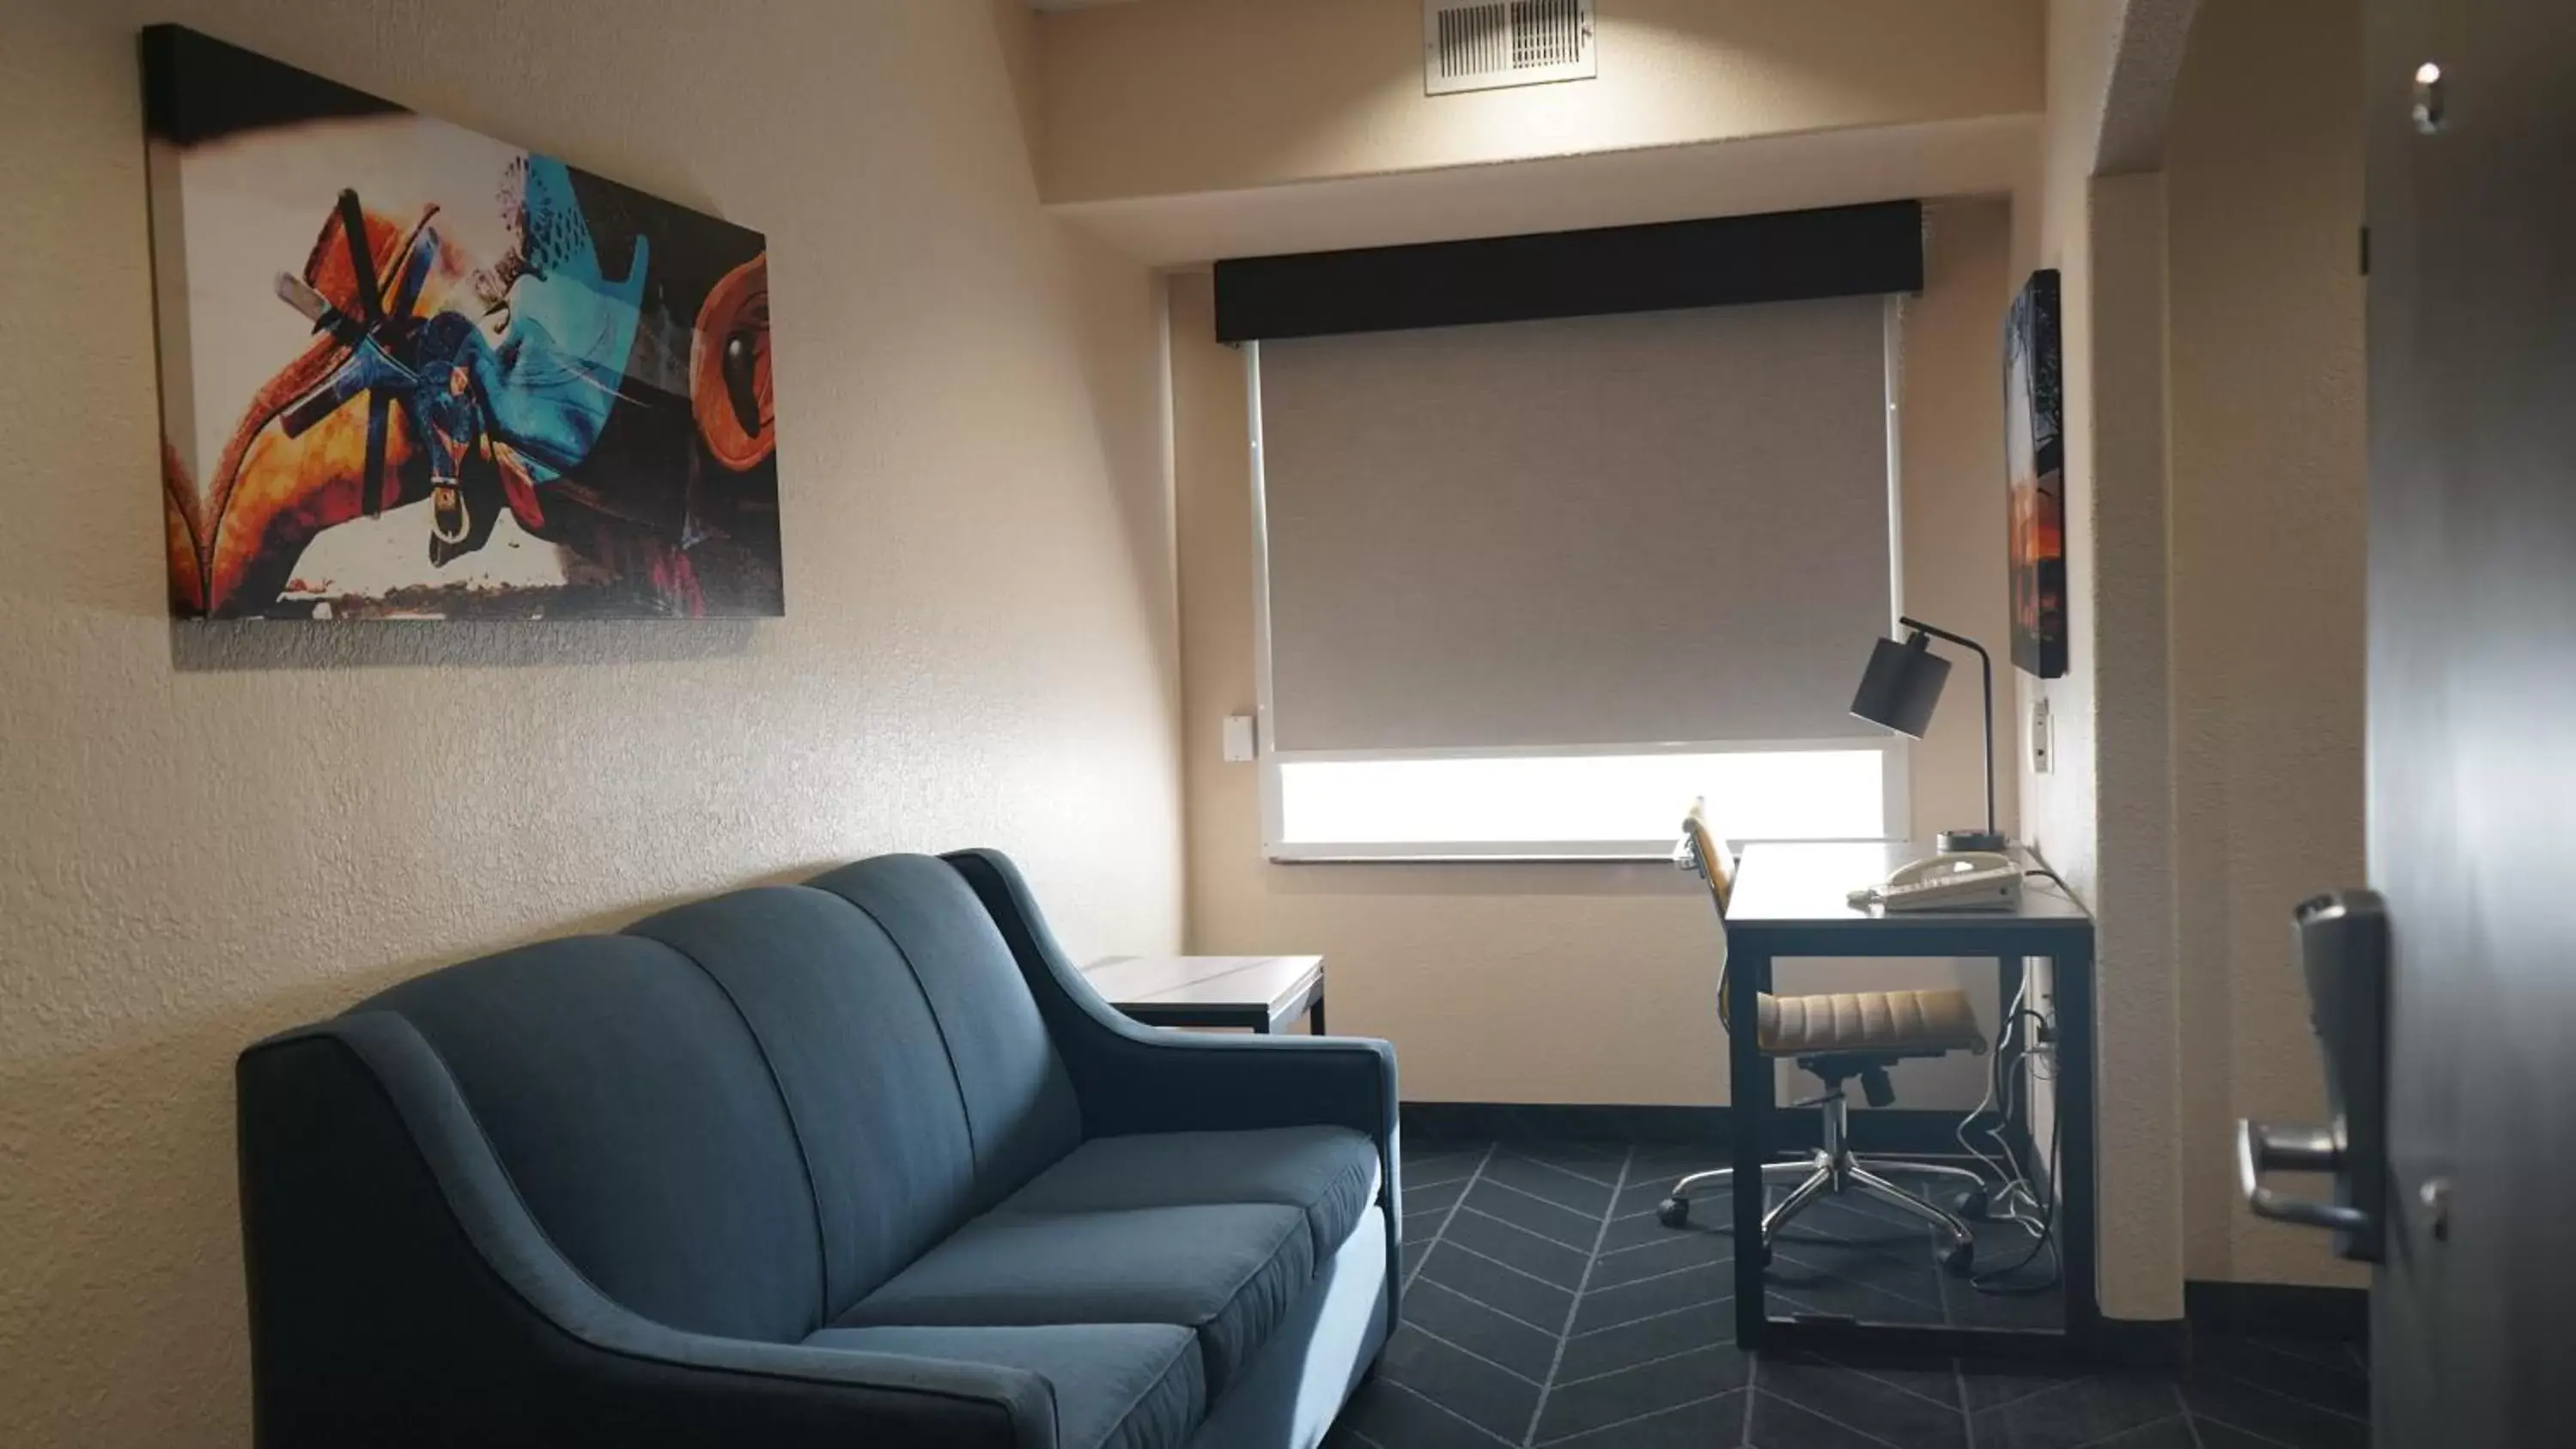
1902	685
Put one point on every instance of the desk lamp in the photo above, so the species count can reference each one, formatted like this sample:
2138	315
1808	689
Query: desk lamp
1900	688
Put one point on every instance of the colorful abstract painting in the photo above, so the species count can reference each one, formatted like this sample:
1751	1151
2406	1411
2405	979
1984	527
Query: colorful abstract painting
408	371
2035	457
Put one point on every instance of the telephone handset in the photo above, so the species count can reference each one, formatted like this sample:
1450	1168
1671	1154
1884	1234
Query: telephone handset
1974	880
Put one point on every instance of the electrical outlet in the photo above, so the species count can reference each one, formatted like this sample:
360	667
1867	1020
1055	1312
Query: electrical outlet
2043	754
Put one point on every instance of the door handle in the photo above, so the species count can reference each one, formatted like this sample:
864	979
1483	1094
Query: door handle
2268	1147
2343	946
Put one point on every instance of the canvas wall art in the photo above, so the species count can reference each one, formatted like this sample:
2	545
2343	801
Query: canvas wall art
408	371
2035	458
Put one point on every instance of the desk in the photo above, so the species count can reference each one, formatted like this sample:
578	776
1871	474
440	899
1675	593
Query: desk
1260	992
1790	900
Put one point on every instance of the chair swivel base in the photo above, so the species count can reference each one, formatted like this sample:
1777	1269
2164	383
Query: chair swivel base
1837	1169
1814	1178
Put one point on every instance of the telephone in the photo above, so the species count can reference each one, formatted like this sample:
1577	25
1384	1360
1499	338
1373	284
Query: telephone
1974	880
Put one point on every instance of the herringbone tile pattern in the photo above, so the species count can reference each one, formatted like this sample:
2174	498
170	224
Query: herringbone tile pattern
1544	1305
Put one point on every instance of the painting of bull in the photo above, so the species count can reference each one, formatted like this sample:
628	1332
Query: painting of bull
408	371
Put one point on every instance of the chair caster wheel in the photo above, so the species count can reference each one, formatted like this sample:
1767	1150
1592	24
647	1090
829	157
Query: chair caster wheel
1960	1261
1673	1212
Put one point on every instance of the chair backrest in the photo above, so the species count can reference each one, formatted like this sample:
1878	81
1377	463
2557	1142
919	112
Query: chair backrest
1710	859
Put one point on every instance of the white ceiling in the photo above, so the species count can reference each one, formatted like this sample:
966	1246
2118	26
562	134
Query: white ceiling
1977	156
1983	156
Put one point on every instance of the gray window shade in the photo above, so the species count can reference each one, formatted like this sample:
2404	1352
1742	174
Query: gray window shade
1667	526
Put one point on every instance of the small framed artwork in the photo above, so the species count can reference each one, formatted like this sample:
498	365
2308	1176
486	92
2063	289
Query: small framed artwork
2035	460
409	371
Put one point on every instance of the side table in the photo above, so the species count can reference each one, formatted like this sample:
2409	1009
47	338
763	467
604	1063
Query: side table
1261	992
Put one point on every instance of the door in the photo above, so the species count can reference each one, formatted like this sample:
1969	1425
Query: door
2472	295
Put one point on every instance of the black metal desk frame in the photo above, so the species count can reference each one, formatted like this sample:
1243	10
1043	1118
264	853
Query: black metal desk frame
2064	936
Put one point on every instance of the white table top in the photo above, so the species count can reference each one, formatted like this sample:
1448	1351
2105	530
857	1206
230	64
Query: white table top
1265	981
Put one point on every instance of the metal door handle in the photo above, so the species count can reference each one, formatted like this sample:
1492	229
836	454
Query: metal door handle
2266	1147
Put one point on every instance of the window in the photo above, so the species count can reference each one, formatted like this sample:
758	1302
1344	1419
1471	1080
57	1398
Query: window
1612	805
1496	558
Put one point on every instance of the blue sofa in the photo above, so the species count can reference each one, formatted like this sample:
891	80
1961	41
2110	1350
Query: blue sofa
862	1162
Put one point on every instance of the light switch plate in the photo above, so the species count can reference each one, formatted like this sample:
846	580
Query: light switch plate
1238	739
2043	754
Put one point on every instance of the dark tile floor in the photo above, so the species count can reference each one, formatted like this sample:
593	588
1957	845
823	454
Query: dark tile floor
1545	1305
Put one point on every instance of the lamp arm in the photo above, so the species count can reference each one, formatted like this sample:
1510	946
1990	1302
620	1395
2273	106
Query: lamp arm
1986	664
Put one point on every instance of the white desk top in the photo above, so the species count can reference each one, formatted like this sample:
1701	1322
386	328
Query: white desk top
1809	882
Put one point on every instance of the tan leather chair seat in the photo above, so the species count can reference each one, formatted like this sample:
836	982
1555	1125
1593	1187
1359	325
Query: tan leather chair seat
1862	1021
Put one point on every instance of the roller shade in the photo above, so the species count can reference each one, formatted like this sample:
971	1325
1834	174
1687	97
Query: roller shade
1664	526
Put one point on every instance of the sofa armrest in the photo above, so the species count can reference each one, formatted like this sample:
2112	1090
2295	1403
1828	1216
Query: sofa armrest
401	1294
1134	1078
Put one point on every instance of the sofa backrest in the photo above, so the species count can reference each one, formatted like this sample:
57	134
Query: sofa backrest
745	1113
858	1059
630	1106
1020	1105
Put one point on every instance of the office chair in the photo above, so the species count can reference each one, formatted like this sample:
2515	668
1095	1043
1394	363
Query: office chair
1837	1037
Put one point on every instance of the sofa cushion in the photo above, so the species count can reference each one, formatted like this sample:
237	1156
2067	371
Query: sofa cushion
1328	1173
1020	1107
638	1121
1117	1385
1229	1271
859	1059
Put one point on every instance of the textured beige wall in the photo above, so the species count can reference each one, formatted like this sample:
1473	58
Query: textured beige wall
1203	95
1951	459
2208	732
1568	983
2103	814
2269	513
2138	997
2058	807
209	833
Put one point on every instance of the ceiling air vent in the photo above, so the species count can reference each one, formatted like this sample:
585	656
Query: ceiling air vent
1483	45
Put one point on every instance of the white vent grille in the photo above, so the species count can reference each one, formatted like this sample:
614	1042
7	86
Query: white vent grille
1481	45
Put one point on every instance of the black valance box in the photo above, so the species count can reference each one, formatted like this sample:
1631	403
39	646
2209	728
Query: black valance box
1783	256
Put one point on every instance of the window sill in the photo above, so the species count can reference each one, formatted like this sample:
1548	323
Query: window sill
1440	855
